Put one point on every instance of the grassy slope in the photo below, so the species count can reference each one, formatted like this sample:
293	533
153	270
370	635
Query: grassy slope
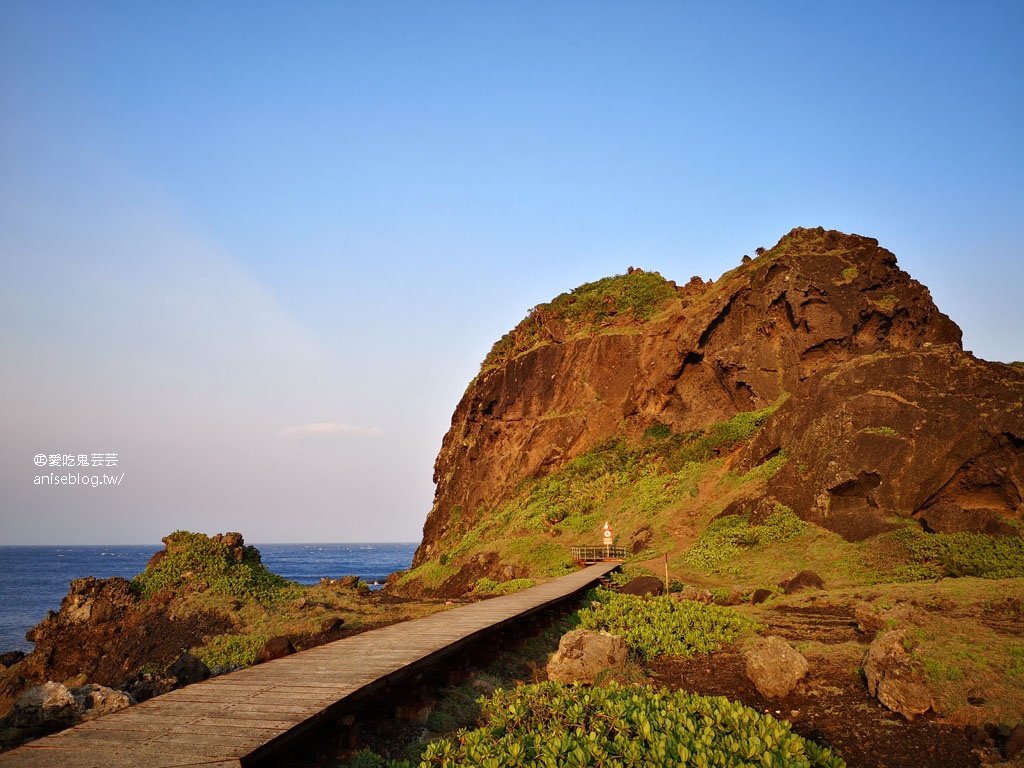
677	486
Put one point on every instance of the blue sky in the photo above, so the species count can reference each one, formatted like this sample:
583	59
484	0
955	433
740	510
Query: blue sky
258	249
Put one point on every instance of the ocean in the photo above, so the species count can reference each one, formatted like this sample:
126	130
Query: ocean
36	579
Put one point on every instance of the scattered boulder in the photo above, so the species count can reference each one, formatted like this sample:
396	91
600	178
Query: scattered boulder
894	677
871	619
583	653
275	648
510	572
188	669
696	595
643	585
52	707
774	667
803	580
146	685
483	685
736	596
331	623
95	700
760	595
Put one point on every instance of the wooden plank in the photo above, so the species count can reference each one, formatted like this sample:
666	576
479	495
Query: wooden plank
218	722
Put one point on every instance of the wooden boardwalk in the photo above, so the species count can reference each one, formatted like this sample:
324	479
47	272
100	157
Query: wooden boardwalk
235	719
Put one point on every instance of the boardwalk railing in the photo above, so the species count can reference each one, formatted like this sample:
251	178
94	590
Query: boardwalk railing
235	720
603	554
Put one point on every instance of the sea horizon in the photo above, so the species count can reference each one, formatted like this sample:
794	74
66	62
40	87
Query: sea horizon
36	577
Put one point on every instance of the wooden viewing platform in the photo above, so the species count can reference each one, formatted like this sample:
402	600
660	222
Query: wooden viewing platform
603	554
239	718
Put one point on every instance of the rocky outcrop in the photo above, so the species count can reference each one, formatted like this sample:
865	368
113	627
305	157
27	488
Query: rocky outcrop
882	412
583	654
894	677
103	634
774	667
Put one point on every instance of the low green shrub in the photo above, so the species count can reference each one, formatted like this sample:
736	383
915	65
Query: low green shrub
230	650
662	626
554	725
920	555
489	586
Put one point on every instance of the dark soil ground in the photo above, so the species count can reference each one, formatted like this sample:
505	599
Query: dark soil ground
834	709
831	706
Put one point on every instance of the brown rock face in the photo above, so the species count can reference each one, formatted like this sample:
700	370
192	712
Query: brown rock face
884	414
934	434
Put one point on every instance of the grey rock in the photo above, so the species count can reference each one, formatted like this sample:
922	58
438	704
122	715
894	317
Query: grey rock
871	619
49	704
696	595
95	700
146	685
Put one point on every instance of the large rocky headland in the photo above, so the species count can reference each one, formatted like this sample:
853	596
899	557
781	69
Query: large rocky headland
866	412
800	453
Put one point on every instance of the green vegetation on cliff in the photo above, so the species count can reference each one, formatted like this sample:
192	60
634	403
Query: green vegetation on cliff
618	300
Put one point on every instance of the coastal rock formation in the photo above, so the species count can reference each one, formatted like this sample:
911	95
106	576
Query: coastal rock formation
880	411
103	632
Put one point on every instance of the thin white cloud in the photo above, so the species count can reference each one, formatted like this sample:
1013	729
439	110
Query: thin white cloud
330	428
